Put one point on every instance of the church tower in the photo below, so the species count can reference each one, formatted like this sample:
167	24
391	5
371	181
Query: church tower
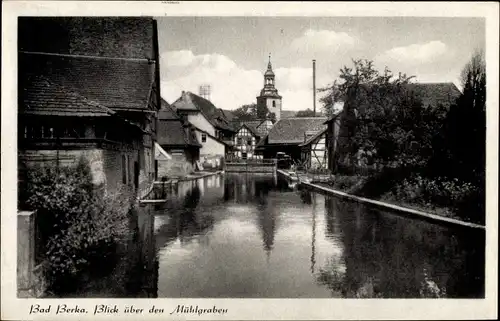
269	96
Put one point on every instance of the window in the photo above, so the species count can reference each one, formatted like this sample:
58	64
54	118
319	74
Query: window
240	141
203	138
249	141
244	155
274	103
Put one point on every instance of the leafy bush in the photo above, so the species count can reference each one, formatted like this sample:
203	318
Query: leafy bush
462	198
80	225
346	182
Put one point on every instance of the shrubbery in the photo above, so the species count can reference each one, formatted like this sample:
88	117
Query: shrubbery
450	194
80	225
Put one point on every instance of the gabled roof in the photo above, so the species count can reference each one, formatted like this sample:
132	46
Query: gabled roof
291	130
167	112
38	96
212	136
191	102
175	133
251	128
435	94
117	83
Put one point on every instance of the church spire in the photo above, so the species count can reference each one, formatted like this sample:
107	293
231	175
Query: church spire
269	66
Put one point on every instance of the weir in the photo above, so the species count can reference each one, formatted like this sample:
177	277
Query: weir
252	166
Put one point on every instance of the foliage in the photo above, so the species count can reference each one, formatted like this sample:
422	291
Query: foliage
346	182
81	225
452	194
246	112
463	146
381	117
253	112
383	124
305	113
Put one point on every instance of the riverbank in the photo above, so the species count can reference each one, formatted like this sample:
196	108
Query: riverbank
399	208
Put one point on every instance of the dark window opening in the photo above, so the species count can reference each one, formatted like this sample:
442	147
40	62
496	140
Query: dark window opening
274	103
244	155
203	138
240	140
249	141
124	169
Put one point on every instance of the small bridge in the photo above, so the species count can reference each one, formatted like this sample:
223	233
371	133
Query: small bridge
251	166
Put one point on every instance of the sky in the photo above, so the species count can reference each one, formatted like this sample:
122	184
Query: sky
231	53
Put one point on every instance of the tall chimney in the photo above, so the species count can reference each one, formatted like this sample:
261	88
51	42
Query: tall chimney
314	87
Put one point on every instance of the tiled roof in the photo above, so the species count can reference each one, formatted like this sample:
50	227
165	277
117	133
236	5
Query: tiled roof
288	113
174	133
251	127
435	94
125	37
167	112
291	130
114	83
228	114
314	137
191	102
41	97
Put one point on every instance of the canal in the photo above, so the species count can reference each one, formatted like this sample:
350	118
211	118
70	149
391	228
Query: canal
252	236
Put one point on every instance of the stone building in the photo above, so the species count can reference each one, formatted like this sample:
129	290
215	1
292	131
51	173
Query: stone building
269	97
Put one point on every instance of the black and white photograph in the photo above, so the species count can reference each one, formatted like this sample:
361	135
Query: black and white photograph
249	156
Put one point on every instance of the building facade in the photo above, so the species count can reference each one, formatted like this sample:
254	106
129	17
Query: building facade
314	151
211	130
245	140
287	135
178	139
83	63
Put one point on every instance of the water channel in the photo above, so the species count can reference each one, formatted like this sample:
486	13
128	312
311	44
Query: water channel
252	236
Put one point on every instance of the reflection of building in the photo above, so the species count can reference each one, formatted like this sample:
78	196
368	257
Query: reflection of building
267	224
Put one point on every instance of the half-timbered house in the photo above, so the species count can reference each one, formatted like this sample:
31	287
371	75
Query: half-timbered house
314	153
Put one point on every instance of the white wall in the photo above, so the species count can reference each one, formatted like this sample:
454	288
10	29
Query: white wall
210	147
201	122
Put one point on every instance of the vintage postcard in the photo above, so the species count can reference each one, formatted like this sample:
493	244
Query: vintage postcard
249	160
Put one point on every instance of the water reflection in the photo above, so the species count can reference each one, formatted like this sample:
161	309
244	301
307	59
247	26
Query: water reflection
245	235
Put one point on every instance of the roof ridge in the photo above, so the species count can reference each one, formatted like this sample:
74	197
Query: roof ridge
85	56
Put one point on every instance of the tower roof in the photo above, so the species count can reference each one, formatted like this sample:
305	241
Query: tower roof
269	71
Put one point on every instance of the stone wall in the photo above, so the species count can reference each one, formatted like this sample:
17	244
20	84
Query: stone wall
106	164
177	166
30	276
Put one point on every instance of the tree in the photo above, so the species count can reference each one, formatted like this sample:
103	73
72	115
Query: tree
246	112
305	113
465	128
380	117
253	112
